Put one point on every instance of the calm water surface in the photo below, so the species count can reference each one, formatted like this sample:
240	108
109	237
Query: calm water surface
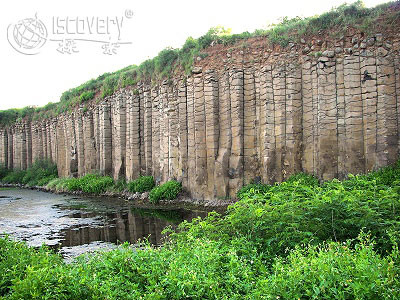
75	225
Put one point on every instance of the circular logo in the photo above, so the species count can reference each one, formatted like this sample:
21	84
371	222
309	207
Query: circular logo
27	36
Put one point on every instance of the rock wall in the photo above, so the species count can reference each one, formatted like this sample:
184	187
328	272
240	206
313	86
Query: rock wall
247	113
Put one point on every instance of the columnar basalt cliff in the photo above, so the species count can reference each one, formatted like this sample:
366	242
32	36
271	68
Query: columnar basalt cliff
251	112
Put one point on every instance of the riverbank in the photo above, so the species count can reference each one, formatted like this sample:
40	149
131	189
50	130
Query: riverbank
139	199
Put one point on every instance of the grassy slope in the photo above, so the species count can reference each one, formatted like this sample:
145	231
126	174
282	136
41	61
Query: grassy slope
171	60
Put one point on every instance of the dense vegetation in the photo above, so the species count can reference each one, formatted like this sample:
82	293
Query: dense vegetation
142	184
167	191
40	173
297	240
168	60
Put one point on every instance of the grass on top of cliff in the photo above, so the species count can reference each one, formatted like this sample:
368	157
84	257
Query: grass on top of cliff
297	240
170	60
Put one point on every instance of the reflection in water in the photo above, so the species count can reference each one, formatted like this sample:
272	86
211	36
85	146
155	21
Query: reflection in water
130	226
79	225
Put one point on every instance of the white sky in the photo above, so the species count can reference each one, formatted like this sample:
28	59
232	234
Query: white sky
39	79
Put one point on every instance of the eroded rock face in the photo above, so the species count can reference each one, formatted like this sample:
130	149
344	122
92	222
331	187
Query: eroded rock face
260	115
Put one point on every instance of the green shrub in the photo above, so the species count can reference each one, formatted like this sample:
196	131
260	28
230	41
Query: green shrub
15	176
95	184
53	183
253	188
3	171
86	96
44	181
301	211
332	271
166	191
141	185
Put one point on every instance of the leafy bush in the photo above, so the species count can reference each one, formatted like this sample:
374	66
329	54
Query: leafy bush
86	96
253	188
3	171
44	181
166	191
15	176
142	184
332	271
39	170
301	211
95	184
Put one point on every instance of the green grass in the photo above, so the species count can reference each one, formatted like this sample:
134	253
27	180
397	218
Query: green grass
166	191
170	60
89	184
142	184
297	240
39	174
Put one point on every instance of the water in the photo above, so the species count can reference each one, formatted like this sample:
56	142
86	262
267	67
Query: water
75	225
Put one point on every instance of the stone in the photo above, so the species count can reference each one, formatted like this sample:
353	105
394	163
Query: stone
382	51
338	50
196	70
328	53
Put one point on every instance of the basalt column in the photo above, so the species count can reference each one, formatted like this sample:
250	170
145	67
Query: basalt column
118	111
105	139
236	159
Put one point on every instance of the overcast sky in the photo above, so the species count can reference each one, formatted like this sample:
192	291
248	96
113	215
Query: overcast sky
145	28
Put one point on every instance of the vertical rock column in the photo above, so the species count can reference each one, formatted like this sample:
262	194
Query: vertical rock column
221	176
118	108
293	127
173	124
96	133
61	149
200	143
80	143
164	132
397	75
10	146
28	130
308	120
211	97
141	131
251	170
370	100
387	135
105	139
3	147
327	119
341	125
183	135
354	162
147	129
267	124
191	136
133	141
279	92
235	172
155	137
23	148
89	143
